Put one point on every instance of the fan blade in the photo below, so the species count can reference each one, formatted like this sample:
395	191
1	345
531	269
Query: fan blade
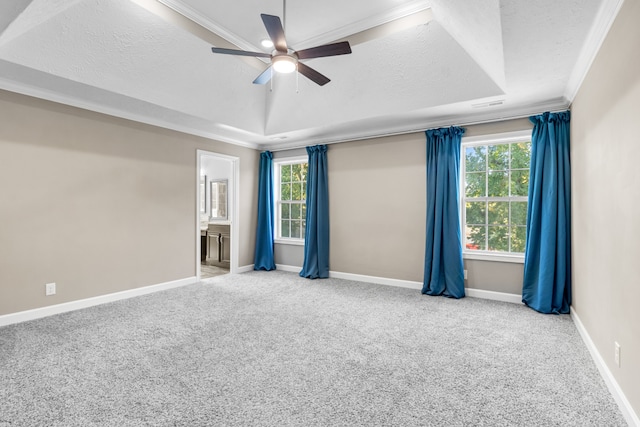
332	49
240	52
275	31
312	74
264	77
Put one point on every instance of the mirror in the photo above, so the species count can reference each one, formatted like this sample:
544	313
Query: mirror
218	199
203	194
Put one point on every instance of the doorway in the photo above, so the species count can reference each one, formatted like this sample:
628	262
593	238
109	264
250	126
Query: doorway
216	214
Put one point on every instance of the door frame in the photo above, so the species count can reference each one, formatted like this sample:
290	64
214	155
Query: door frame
234	218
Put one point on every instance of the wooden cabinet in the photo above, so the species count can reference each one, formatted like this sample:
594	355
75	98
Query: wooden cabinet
203	245
219	245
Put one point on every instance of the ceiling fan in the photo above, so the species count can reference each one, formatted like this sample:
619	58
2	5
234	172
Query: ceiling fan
286	60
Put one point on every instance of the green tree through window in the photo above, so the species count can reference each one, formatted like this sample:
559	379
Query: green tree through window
291	200
496	185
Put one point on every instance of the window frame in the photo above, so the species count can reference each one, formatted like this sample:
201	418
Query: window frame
493	139
277	202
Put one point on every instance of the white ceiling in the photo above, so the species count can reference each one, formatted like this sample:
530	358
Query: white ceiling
443	63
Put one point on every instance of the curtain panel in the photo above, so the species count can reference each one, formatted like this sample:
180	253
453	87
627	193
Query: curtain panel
547	261
316	236
443	267
263	259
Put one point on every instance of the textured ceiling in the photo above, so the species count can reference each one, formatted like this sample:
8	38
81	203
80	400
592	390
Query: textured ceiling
415	63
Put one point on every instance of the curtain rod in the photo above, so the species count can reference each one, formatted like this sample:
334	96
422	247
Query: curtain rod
418	130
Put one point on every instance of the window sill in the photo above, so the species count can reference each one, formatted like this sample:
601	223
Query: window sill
294	242
518	259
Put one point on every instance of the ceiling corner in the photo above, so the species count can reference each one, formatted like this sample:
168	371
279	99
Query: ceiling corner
599	30
477	27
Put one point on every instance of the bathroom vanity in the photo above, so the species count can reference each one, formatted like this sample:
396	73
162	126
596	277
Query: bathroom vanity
218	245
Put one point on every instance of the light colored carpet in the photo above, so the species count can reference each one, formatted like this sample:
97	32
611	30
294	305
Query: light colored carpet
272	349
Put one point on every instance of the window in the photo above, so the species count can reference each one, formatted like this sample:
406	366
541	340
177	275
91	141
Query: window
290	194
495	187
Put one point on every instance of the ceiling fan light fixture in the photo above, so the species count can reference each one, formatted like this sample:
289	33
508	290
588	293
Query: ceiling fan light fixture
286	60
284	64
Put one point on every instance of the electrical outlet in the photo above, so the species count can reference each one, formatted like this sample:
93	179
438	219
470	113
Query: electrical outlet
50	289
465	275
617	354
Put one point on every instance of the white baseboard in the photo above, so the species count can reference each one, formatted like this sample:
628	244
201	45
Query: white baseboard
492	295
615	390
471	292
38	313
245	268
358	277
290	268
474	293
377	280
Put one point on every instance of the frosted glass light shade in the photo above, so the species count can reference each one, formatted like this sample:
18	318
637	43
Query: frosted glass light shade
284	64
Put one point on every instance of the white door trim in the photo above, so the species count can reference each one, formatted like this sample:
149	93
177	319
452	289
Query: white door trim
235	210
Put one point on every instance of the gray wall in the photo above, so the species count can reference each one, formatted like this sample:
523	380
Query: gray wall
99	204
377	192
605	153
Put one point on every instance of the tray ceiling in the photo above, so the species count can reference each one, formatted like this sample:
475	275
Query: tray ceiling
415	63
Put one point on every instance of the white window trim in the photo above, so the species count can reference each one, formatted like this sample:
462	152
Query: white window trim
471	141
276	191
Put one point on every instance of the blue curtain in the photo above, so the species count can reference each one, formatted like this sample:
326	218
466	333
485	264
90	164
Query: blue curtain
263	259
547	259
443	268
316	236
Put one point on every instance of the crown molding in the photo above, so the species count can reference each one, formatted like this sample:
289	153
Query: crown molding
602	24
203	21
36	92
329	36
366	24
406	127
474	118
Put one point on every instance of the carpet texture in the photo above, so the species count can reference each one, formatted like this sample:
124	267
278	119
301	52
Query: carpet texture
272	349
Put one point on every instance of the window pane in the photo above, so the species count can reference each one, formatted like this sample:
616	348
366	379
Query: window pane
499	171
518	239
498	157
285	211
284	228
296	191
498	213
520	183
295	229
498	184
304	191
285	192
475	184
285	173
520	155
303	210
518	213
295	173
295	211
303	171
498	238
475	158
475	213
476	238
